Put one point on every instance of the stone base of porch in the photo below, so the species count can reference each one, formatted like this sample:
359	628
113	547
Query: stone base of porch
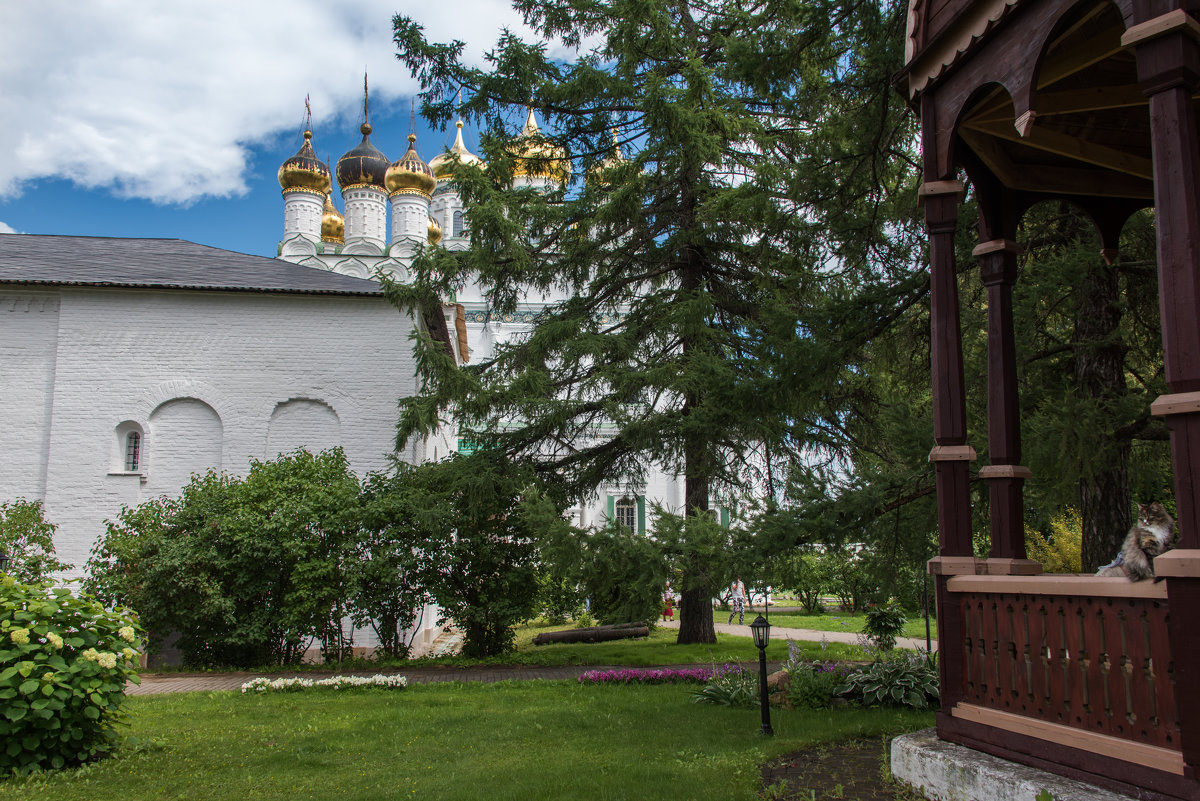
948	772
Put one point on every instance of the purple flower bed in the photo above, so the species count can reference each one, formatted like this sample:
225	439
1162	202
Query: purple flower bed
696	675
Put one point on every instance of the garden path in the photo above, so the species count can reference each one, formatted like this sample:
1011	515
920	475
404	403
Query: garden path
807	635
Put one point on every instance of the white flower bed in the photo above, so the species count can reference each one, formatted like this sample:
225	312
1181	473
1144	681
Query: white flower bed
263	684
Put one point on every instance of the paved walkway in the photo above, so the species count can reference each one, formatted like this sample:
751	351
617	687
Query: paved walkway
807	635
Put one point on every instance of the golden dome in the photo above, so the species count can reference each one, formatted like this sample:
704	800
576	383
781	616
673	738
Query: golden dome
435	232
304	172
363	165
333	225
443	163
410	175
531	144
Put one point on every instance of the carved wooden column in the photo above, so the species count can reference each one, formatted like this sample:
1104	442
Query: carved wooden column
951	455
1005	475
1168	64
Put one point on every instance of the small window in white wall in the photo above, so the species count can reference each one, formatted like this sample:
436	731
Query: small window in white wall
129	449
457	225
133	451
626	513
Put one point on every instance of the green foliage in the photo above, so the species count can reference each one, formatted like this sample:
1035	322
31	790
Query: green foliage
730	686
1061	550
247	570
386	581
559	598
696	334
884	622
813	685
27	538
64	663
909	680
479	545
804	573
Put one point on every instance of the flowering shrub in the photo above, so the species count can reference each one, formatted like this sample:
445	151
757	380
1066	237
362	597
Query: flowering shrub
64	663
263	684
696	675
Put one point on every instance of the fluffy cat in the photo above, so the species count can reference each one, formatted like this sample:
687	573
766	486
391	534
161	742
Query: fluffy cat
1149	536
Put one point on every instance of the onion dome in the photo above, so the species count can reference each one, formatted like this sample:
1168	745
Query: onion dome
435	231
531	144
443	163
364	165
304	172
333	225
410	175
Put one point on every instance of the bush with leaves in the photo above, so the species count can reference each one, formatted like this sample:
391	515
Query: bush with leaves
64	663
883	624
479	547
807	575
1061	551
559	598
247	570
906	680
385	573
28	539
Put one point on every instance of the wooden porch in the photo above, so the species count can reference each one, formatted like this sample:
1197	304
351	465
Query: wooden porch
1093	102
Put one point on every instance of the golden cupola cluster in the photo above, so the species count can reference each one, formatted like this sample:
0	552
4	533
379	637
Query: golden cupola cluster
443	163
410	175
333	225
536	156
363	165
304	172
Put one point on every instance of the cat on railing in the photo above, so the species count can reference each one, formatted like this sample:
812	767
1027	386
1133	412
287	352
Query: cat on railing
1149	536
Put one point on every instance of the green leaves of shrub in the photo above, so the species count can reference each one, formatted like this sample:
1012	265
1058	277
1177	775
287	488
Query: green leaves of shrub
911	680
730	686
64	663
883	624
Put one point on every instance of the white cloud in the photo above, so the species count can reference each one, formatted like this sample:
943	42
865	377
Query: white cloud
160	100
5	228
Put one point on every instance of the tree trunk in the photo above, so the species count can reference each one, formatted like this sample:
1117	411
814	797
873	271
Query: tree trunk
1100	372
695	601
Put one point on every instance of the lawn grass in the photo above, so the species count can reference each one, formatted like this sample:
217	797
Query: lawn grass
833	621
513	740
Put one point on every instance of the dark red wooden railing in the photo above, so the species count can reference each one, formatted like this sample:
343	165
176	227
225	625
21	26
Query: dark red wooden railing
1101	664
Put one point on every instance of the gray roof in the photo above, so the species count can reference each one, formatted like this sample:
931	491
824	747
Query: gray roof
161	264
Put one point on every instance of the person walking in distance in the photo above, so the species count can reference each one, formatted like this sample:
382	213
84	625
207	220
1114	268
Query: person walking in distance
738	592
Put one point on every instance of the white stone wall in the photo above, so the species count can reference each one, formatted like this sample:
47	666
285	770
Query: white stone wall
366	219
410	217
221	376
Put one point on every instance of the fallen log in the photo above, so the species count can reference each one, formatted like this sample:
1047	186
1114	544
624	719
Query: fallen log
623	631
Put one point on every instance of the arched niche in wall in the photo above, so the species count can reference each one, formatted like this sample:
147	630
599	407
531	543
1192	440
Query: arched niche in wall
302	423
184	438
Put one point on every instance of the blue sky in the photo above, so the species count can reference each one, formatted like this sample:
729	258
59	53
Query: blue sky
143	118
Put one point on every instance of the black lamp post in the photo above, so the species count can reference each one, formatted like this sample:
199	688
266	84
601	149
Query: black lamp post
761	630
4	560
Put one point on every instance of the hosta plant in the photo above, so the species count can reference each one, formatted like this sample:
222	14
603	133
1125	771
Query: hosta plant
909	680
64	663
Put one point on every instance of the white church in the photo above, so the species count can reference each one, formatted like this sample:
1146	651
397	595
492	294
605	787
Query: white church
126	365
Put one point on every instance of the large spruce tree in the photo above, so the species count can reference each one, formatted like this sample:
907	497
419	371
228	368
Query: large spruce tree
680	240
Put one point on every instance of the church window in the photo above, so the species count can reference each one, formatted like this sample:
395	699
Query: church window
626	513
457	226
133	451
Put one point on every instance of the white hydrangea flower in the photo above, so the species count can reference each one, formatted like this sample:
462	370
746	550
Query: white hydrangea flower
107	660
54	640
20	636
126	633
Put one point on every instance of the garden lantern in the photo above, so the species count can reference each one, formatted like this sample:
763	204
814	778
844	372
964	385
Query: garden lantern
4	560
761	630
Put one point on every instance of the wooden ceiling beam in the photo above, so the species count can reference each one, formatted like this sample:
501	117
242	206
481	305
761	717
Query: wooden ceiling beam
1054	179
1097	98
1071	147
